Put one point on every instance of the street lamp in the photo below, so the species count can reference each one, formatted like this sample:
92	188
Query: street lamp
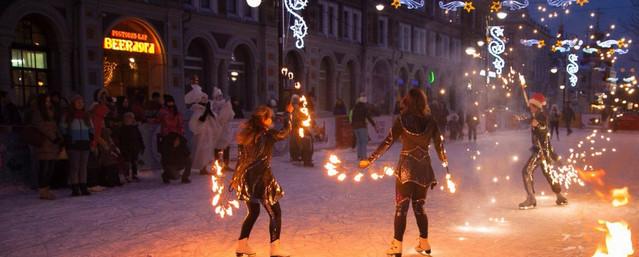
254	3
554	70
379	7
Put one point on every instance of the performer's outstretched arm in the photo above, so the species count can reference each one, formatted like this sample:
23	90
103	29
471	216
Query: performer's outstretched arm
393	135
438	140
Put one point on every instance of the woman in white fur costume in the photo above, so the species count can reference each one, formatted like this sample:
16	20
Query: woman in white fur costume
222	149
206	127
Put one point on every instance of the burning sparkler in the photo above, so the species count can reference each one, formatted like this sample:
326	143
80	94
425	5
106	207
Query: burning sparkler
620	196
221	202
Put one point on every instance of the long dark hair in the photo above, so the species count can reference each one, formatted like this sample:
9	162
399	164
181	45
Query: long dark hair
42	107
253	127
415	103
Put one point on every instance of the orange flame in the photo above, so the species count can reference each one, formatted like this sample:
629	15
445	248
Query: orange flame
593	176
452	188
618	240
620	196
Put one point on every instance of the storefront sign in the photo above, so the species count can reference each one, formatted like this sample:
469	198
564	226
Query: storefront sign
129	42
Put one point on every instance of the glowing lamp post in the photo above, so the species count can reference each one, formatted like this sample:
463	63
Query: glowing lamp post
254	3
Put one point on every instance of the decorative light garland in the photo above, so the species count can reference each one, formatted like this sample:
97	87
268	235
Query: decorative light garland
109	69
572	68
608	43
454	5
515	5
531	42
299	28
496	47
412	4
566	45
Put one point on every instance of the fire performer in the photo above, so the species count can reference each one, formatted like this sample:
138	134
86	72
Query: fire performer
253	179
416	128
542	154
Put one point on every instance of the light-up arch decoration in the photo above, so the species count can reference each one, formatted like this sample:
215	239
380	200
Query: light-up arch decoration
452	6
515	5
561	3
496	47
299	28
572	68
413	4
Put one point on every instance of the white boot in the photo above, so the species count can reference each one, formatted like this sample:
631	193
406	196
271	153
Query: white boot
395	249
423	247
243	249
277	251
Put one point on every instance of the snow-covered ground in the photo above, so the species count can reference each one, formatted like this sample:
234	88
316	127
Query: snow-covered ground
324	218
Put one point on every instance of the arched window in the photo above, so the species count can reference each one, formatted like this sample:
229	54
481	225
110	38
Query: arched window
29	60
240	76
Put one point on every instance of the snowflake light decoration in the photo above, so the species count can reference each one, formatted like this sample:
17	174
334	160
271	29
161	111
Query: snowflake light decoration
299	28
572	68
496	47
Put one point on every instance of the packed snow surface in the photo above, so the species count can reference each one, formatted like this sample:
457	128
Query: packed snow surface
326	218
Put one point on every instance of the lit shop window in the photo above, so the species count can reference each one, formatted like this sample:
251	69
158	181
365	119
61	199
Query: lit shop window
29	61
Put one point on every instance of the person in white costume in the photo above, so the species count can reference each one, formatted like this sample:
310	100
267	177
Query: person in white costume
223	107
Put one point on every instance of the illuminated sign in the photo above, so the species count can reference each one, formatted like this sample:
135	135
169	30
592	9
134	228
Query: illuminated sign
129	42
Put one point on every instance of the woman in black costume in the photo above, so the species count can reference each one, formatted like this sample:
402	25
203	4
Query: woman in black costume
253	179
415	128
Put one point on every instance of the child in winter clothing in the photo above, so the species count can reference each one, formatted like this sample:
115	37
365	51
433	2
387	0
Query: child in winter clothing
130	143
78	133
175	157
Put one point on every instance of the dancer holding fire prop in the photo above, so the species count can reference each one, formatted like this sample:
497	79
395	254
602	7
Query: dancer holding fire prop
416	128
542	151
254	180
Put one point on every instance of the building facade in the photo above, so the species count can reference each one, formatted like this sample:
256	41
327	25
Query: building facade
138	47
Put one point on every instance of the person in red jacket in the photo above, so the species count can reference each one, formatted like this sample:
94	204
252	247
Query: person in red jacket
170	118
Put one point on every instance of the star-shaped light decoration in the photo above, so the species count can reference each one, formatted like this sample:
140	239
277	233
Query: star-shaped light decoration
495	6
468	6
582	2
553	49
396	4
541	44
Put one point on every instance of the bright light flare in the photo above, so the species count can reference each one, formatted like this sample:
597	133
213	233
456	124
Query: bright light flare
450	185
620	196
618	240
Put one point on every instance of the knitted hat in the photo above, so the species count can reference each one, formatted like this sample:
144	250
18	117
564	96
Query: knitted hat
537	100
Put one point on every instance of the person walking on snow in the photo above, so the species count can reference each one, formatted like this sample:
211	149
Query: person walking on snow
542	154
253	179
415	128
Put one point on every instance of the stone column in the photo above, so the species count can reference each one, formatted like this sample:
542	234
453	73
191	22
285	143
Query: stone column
6	37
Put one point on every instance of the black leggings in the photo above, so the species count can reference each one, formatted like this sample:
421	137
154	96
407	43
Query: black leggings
405	194
275	222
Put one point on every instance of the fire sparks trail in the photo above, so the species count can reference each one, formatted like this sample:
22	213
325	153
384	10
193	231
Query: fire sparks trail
304	110
618	240
221	202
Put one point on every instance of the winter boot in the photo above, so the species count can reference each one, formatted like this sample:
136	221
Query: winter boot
84	190
561	200
45	194
530	203
277	251
423	247
243	249
75	190
395	249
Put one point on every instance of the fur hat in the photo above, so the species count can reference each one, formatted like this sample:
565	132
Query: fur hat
537	100
362	99
217	92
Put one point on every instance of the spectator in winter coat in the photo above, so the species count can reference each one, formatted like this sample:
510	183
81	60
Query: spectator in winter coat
175	157
170	119
9	113
340	107
472	121
569	117
99	112
358	121
110	161
49	150
237	109
78	134
131	144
